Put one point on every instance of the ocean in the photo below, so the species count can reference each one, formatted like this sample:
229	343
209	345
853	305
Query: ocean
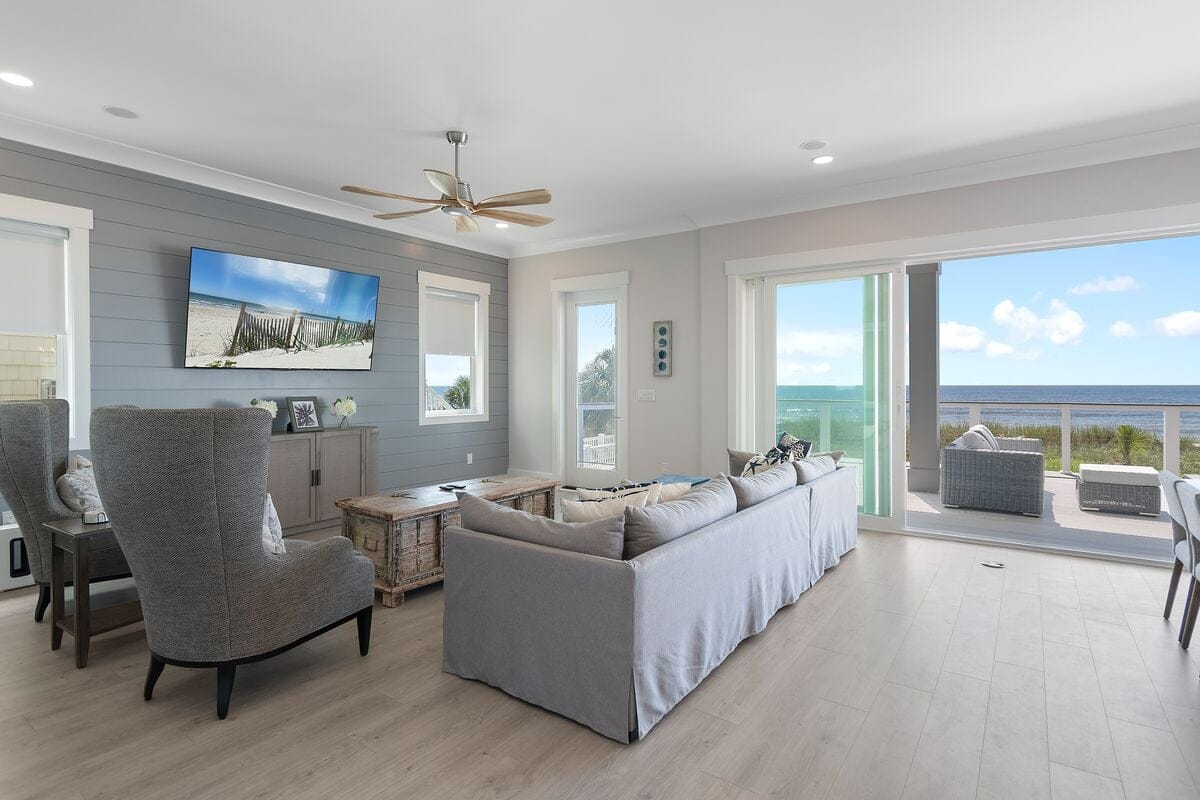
801	404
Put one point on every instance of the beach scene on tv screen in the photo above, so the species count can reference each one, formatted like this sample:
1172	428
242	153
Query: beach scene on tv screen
257	313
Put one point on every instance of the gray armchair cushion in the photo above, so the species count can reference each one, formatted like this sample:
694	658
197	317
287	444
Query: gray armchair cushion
753	489
603	537
647	528
184	489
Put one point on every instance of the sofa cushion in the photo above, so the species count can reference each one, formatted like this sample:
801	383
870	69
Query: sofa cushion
752	490
809	469
599	508
672	491
647	528
603	537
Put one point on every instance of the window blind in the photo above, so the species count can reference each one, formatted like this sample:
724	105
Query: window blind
449	322
32	279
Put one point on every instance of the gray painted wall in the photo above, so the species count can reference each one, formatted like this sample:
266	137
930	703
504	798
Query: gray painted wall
145	226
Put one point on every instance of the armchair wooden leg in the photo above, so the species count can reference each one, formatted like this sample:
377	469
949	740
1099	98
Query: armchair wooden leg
156	669
1176	571
43	602
1189	619
364	630
225	674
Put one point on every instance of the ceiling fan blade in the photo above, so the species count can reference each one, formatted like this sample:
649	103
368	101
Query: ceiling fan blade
532	220
466	225
378	193
402	214
444	182
530	197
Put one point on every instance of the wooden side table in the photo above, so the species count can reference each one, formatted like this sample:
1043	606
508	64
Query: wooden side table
79	539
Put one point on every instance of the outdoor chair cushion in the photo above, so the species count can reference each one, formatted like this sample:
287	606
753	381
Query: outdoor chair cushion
1119	474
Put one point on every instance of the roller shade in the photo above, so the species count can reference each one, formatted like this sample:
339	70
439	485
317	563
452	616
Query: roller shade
32	278
449	322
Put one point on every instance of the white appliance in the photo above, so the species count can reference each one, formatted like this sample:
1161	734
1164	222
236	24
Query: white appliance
14	559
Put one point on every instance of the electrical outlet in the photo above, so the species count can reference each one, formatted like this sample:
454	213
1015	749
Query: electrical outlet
8	518
470	458
645	395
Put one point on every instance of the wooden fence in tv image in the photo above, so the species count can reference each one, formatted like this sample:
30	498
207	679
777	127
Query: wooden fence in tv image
293	333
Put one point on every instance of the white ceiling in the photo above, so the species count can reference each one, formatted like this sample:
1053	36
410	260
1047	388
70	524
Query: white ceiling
640	117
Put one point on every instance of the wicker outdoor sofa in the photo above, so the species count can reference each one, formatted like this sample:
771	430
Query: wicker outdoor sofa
1011	478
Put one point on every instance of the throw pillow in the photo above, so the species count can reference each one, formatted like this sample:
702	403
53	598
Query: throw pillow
604	537
272	531
809	469
738	459
754	489
647	528
590	510
672	491
836	455
651	490
988	436
787	448
974	440
77	486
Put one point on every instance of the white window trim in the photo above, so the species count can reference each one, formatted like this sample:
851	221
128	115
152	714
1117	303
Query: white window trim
479	369
77	367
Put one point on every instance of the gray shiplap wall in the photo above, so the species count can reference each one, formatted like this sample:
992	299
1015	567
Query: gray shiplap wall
145	226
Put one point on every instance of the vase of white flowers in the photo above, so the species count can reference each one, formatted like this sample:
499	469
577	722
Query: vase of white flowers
269	405
344	408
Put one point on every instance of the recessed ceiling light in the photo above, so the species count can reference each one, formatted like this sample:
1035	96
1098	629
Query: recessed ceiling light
815	144
501	224
823	159
118	111
16	79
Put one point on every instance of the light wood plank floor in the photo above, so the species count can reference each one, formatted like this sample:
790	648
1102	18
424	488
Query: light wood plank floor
909	671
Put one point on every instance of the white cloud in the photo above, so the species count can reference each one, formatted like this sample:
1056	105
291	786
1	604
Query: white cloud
1063	325
1119	283
1181	323
999	349
819	344
1122	329
960	338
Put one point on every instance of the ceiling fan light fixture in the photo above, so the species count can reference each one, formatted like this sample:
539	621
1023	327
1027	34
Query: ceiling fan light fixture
16	79
823	159
501	225
456	211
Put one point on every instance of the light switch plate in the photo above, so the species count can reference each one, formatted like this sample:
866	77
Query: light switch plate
645	395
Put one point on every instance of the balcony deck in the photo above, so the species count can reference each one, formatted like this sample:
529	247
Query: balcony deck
1062	524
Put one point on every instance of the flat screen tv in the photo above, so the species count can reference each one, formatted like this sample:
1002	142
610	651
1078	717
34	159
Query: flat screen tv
258	313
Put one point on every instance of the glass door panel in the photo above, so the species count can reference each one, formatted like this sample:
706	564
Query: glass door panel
832	374
592	422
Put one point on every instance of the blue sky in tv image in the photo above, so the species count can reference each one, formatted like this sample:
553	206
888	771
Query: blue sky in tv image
282	286
1104	315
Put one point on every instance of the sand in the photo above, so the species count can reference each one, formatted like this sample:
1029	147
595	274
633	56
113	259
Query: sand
210	326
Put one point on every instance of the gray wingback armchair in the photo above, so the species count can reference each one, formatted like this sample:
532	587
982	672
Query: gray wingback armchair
185	491
33	455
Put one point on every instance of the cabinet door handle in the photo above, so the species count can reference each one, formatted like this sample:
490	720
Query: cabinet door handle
318	483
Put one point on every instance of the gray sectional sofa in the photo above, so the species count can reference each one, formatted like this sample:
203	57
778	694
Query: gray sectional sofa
615	644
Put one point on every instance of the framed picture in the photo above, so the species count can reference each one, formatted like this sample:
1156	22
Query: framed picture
664	342
305	415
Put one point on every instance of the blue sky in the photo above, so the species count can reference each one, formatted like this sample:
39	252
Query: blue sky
1111	314
283	285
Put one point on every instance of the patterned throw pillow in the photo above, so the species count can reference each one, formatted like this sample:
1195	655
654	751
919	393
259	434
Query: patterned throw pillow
272	531
77	488
788	448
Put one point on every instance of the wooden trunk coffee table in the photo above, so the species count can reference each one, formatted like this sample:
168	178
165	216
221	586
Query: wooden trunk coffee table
401	532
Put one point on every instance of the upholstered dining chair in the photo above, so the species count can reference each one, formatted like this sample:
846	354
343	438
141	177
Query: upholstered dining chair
33	455
185	491
1181	544
1189	500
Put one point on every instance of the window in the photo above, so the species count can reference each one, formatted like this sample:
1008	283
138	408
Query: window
44	323
452	318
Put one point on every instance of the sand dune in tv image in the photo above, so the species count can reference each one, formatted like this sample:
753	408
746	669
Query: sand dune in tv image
255	313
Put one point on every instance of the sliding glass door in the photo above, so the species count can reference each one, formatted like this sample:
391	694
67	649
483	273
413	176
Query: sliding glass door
828	374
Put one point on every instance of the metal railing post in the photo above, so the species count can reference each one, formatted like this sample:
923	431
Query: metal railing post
974	414
1171	439
823	435
1065	424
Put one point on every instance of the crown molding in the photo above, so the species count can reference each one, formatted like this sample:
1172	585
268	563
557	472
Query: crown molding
97	148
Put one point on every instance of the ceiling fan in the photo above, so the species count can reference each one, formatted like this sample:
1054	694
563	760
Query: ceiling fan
456	200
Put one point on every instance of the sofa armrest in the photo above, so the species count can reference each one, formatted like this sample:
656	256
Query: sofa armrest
550	626
1024	444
